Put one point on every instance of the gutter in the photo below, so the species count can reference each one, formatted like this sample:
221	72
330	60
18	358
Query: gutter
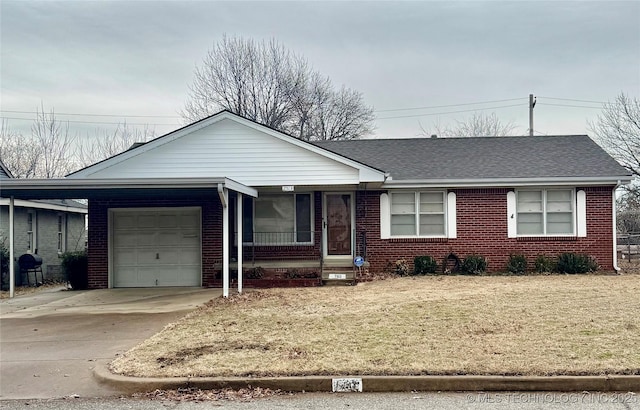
506	182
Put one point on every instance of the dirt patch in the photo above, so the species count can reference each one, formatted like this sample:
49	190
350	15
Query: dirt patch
27	290
527	325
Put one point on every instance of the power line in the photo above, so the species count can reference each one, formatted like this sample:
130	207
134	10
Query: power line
569	105
450	105
93	115
571	99
88	122
451	112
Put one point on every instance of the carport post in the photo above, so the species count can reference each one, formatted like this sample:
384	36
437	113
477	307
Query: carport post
12	263
224	199
240	240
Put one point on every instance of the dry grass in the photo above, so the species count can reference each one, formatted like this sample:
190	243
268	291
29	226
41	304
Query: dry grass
531	325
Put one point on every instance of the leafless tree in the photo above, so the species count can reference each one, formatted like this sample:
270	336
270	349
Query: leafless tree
617	130
19	153
478	125
107	144
265	82
57	146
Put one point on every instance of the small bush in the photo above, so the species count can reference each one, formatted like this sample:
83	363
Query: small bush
575	263
517	264
4	265
423	265
255	273
401	267
544	264
75	268
474	265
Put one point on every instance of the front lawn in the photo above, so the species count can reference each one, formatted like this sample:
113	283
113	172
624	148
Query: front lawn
530	325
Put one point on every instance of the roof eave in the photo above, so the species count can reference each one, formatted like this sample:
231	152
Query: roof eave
122	183
508	182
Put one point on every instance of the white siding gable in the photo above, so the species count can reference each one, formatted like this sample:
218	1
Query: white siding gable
231	149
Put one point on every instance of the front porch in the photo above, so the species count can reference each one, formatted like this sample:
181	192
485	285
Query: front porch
275	260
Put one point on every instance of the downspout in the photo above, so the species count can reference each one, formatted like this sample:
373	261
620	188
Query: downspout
615	228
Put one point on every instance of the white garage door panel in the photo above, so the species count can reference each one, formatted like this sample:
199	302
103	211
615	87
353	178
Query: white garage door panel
125	257
156	248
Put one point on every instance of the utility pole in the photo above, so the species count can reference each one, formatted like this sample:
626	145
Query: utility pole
532	103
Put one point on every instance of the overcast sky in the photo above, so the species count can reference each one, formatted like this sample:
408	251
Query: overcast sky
137	58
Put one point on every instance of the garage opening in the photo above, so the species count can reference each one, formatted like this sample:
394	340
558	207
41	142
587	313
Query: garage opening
156	247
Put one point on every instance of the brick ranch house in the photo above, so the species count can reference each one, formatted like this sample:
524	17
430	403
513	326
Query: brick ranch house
173	211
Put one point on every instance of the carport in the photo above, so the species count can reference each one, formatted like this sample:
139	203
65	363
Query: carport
161	189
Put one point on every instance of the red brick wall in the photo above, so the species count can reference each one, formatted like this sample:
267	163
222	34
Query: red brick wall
98	251
482	229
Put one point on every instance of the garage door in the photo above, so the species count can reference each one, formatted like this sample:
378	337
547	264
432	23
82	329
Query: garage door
158	247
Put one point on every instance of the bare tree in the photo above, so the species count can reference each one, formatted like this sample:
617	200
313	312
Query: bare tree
268	84
479	125
19	153
57	146
617	129
99	147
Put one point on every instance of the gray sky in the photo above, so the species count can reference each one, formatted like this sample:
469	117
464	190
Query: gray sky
137	58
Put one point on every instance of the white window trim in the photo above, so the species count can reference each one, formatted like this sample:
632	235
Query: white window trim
417	193
574	214
61	230
294	243
32	235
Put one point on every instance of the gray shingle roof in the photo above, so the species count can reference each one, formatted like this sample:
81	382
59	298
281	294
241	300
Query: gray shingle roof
483	157
4	171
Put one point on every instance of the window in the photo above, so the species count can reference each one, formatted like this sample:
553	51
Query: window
278	219
62	225
32	231
418	214
545	212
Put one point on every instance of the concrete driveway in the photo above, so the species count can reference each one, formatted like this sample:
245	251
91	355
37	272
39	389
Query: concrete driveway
50	341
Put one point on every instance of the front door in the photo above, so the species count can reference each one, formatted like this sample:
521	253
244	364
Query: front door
338	224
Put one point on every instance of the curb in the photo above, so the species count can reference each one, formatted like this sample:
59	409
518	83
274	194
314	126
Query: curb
605	383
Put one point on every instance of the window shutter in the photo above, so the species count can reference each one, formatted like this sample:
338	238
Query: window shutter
581	213
512	227
452	231
385	217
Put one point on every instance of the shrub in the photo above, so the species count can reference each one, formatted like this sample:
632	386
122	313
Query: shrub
570	262
255	273
423	265
75	268
544	264
401	267
474	265
4	265
517	264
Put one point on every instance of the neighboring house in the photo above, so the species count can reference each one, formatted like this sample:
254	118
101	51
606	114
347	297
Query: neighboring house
47	228
168	212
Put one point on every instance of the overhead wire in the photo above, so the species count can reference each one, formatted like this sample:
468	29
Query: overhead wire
450	112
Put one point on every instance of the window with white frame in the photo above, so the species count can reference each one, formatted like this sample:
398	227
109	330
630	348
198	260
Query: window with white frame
62	233
278	219
418	213
545	212
32	231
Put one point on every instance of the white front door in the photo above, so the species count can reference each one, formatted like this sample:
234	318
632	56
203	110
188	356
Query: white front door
338	223
156	247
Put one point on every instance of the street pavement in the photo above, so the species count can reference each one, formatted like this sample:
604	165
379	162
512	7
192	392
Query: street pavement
362	401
